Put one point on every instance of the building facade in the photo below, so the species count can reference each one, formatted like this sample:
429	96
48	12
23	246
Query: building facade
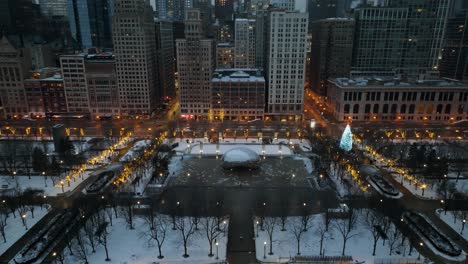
287	34
224	9
14	64
53	8
45	92
321	9
454	62
91	22
135	54
224	55
75	84
165	65
101	80
331	51
288	5
379	48
377	99
238	94
196	60
245	45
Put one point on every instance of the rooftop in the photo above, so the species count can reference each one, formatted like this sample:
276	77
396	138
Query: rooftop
382	82
238	75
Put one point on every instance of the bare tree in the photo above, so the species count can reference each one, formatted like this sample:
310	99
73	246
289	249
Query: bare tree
270	223
322	232
3	222
306	221
373	221
210	226
127	212
157	228
80	247
109	214
89	231
186	229
393	238
298	230
346	227
101	232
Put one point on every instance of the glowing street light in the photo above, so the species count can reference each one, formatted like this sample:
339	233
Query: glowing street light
264	250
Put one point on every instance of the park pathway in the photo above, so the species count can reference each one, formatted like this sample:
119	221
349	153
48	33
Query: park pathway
241	237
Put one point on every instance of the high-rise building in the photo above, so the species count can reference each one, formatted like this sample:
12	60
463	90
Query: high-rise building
454	62
224	9
195	63
14	64
224	55
244	43
172	9
135	56
261	36
331	51
321	9
75	84
287	34
165	55
288	5
102	87
53	8
403	37
91	22
45	92
238	94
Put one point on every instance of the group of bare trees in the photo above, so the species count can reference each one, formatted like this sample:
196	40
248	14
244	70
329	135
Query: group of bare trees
347	226
156	228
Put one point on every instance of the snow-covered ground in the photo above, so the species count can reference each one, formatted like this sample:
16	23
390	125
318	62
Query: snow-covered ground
359	246
136	150
15	228
455	220
429	193
40	183
132	246
202	146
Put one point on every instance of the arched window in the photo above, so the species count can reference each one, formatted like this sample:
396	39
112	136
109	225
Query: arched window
429	109
411	109
403	109
393	109
448	108
385	109
356	109
439	108
346	108
367	109
376	109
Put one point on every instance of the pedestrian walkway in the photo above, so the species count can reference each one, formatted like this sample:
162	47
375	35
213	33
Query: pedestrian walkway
241	243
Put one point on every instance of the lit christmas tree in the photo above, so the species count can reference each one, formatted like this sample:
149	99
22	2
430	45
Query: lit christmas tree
346	142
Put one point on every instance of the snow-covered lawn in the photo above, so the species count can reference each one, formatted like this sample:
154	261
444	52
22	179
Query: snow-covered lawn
136	150
40	183
15	229
359	246
429	193
455	220
132	246
202	146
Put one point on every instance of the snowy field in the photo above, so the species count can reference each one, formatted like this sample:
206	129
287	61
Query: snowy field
15	229
202	146
40	183
359	245
135	150
455	220
133	246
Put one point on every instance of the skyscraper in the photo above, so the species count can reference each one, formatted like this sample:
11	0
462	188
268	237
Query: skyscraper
403	37
14	64
288	5
195	63
244	43
91	22
165	65
454	62
224	9
135	54
287	47
331	51
320	9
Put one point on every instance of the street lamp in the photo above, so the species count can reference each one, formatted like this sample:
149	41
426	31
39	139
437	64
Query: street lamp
138	202
62	184
24	221
257	227
419	256
217	244
463	226
264	250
